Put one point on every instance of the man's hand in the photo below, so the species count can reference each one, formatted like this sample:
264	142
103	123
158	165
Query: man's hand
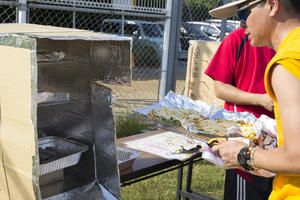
232	94
228	150
266	102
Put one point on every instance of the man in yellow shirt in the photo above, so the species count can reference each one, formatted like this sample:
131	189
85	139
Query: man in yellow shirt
276	24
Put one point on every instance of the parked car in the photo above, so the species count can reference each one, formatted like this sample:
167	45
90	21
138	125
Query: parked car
234	24
212	30
189	32
147	39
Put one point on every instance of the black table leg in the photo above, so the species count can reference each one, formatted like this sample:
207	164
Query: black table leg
179	182
189	178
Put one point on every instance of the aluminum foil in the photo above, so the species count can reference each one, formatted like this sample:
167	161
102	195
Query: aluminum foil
210	111
89	191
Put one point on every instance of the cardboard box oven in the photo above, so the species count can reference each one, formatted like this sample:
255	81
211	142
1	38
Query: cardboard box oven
49	59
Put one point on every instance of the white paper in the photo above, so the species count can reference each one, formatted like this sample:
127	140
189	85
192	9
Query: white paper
165	145
212	157
268	125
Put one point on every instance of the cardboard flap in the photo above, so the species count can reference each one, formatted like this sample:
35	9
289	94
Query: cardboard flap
198	85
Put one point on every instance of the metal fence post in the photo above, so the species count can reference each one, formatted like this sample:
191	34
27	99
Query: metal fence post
123	22
74	16
223	24
22	11
74	19
170	47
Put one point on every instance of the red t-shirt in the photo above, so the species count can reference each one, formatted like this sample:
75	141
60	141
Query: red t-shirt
248	73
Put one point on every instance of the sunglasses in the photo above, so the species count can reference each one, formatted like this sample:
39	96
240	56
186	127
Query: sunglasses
245	11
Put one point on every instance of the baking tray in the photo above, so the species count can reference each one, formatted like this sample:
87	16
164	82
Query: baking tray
126	157
201	136
67	153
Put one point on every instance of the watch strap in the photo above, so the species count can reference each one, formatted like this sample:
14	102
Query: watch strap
251	161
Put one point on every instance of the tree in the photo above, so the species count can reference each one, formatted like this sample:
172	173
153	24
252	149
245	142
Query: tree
197	10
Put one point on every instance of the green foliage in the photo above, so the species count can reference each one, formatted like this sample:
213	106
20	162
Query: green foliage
130	126
197	9
207	3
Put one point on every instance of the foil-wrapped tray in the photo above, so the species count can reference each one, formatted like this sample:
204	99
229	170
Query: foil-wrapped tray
57	153
126	157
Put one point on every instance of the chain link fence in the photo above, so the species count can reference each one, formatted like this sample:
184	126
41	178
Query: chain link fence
143	20
143	28
8	13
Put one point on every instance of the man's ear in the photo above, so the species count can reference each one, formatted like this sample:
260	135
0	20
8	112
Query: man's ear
272	6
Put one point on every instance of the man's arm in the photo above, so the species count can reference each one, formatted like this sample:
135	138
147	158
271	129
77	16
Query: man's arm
287	91
232	94
284	159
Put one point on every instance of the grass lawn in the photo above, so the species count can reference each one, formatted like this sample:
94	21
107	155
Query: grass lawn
207	178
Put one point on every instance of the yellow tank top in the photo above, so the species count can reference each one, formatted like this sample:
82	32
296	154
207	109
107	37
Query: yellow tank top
288	55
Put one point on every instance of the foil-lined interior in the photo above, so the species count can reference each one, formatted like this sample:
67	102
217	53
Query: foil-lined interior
87	116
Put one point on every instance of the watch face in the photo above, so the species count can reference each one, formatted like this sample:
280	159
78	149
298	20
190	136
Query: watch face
242	159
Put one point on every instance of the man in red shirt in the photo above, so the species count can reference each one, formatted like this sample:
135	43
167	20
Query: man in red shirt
238	70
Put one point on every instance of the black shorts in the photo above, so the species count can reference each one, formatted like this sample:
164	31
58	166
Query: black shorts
237	188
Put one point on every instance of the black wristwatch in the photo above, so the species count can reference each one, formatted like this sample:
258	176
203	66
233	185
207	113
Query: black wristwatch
244	158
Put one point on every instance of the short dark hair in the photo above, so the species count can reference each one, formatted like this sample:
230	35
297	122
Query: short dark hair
293	6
